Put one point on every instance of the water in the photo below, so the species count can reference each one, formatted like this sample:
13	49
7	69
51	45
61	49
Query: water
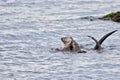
30	28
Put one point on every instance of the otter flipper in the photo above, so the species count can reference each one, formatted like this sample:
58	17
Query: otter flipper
97	46
99	43
105	36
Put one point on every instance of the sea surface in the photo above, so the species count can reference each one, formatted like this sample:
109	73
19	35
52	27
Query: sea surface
30	28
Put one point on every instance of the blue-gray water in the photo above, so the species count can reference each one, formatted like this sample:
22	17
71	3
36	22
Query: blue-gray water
30	28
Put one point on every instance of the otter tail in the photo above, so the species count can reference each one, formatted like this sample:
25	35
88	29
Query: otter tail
99	43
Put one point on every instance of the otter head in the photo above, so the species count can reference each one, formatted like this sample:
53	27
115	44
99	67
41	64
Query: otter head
67	40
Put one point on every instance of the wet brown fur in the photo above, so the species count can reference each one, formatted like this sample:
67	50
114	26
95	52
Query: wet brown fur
69	44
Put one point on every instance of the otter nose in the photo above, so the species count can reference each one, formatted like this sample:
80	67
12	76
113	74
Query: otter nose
62	39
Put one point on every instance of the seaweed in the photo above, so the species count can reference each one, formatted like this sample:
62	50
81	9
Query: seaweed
112	16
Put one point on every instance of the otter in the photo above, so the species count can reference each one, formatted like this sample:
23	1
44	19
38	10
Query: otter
70	45
99	43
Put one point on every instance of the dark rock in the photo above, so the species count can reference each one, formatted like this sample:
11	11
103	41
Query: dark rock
112	16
